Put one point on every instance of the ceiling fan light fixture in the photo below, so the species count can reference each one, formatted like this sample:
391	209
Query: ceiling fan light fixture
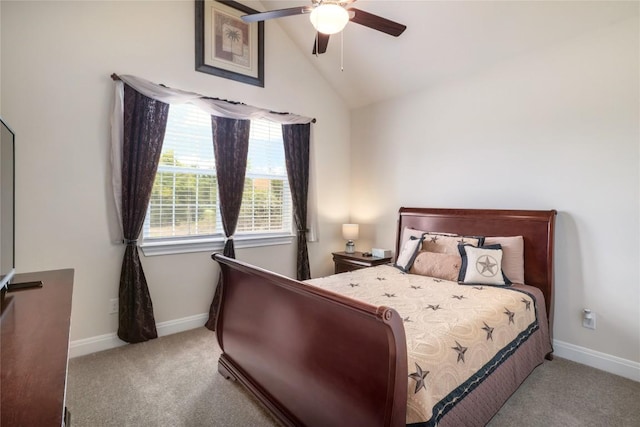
329	18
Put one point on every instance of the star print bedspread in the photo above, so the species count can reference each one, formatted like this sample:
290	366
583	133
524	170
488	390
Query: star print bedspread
456	334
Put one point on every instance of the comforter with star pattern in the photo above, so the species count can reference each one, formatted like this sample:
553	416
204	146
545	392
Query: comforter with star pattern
457	335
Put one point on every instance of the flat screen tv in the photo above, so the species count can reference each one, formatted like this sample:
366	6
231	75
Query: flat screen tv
7	202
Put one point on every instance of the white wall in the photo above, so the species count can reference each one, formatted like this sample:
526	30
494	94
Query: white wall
0	61
56	93
553	129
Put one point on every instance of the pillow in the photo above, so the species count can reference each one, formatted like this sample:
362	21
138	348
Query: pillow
512	256
448	244
408	253
440	266
482	266
407	233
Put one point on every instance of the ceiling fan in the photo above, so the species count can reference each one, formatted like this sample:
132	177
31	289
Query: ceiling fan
330	17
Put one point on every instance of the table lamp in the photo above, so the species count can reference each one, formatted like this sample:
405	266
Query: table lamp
350	233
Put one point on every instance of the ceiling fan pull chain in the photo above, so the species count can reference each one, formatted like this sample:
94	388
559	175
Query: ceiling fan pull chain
342	50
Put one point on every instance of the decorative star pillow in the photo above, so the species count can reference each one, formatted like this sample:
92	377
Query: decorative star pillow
408	232
512	256
447	243
482	266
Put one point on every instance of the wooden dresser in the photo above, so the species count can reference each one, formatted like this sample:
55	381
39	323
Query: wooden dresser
34	351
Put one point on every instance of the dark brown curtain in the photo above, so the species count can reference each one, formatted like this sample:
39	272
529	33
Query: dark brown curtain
230	148
296	153
144	123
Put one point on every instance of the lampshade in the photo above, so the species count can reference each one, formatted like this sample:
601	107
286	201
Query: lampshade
329	18
350	231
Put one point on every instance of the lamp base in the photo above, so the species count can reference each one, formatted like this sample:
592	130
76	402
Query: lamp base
350	247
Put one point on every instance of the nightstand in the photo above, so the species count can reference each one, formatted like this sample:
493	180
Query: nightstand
348	262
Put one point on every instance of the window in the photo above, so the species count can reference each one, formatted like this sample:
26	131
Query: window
184	214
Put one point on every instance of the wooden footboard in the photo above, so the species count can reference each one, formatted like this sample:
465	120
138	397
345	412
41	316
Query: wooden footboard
314	358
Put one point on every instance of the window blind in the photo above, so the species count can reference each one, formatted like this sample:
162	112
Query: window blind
184	201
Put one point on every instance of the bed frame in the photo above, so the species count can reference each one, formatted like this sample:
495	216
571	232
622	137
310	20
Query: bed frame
316	358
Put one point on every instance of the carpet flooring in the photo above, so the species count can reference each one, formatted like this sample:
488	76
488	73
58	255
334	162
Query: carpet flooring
173	381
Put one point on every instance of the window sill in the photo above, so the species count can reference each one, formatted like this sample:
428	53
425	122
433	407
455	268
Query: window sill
184	246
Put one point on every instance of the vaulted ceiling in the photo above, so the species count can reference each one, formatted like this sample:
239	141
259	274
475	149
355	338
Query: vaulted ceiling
444	40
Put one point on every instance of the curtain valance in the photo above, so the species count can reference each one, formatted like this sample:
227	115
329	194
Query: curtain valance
213	106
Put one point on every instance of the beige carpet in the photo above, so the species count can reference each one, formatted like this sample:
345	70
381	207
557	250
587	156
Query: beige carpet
173	381
170	381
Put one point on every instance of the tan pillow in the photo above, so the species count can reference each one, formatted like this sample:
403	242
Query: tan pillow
440	266
407	233
447	244
512	256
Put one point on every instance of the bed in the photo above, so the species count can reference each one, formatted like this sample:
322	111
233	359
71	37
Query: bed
316	357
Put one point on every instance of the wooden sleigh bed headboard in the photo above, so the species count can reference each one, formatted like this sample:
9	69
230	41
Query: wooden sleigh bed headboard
316	358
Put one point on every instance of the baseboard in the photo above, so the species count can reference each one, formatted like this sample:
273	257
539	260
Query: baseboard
108	341
595	359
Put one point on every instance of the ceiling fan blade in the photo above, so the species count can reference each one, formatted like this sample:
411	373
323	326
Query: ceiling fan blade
321	42
280	13
377	22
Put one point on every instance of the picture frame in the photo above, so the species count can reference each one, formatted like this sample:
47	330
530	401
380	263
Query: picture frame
225	45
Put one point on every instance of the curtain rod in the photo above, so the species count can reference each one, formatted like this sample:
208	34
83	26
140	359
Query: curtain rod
116	77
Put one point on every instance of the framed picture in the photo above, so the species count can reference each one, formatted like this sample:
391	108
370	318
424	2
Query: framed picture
225	45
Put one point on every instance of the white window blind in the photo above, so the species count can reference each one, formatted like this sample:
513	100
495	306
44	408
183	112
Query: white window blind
184	202
266	201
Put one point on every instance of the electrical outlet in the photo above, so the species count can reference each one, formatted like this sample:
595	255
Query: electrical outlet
113	306
588	319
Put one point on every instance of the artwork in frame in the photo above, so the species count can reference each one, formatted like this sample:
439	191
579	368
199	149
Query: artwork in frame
225	45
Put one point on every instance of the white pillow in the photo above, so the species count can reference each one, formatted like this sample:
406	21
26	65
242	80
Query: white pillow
482	266
408	253
512	256
408	233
